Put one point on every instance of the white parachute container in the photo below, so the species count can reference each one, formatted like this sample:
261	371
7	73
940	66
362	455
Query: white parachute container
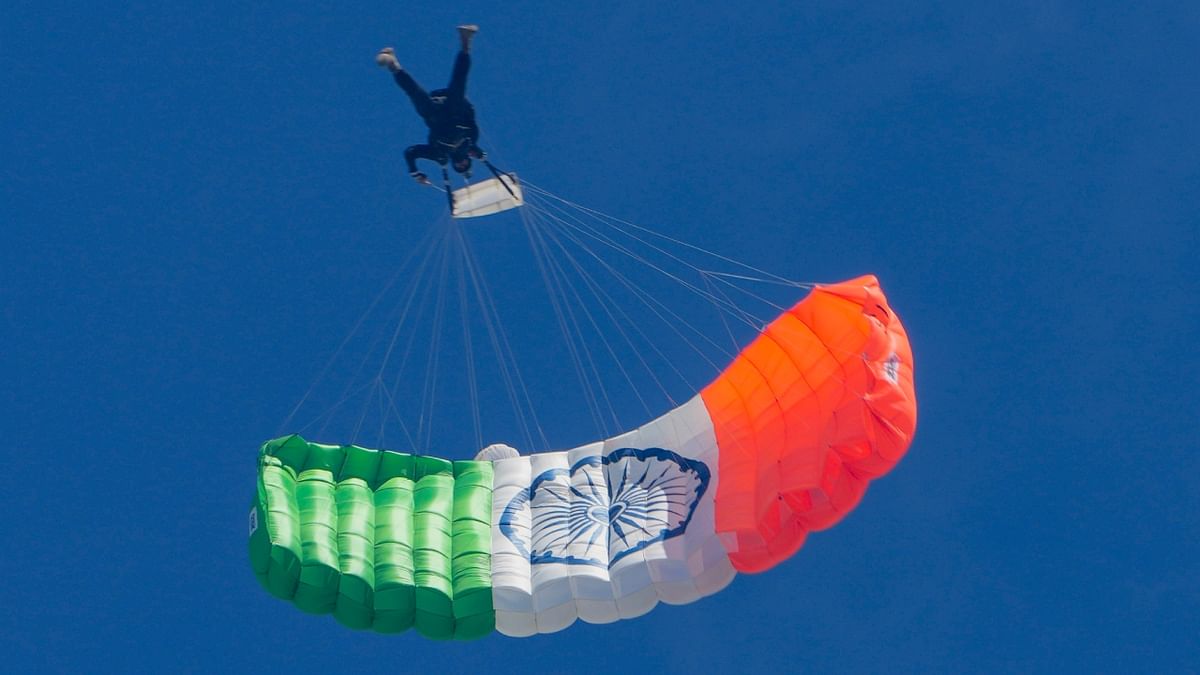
487	197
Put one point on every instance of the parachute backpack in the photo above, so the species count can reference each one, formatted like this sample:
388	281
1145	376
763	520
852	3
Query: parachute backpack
484	198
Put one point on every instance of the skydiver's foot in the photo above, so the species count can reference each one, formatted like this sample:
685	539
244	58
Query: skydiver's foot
421	178
387	58
466	33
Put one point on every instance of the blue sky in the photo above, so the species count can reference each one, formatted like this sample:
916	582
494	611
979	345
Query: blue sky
197	202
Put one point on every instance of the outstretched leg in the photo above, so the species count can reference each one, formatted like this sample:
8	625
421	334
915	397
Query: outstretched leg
418	96
465	34
457	91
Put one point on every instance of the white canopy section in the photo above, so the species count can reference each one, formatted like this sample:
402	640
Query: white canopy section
608	530
496	451
487	197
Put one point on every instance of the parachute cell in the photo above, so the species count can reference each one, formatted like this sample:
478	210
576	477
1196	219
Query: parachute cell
782	443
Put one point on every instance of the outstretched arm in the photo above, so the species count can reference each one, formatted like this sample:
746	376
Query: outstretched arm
414	152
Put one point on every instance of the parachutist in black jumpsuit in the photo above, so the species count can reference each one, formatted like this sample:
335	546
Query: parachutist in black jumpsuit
453	133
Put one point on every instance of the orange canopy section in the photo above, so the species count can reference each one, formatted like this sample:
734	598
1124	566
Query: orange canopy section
820	403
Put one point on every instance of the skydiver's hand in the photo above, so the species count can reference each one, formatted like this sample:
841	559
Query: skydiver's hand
421	178
477	153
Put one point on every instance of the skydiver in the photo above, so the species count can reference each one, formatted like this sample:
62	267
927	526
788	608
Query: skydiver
453	133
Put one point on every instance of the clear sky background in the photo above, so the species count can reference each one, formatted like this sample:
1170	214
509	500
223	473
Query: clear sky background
198	201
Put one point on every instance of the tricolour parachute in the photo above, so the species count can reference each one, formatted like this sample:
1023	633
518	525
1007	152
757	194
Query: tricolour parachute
782	443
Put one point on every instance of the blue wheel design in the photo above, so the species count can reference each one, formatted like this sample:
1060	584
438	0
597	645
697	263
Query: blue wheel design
607	507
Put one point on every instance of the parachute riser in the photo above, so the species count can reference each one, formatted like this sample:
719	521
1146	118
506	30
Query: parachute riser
497	173
446	186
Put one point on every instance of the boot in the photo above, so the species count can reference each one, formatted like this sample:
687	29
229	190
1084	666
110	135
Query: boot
466	33
387	58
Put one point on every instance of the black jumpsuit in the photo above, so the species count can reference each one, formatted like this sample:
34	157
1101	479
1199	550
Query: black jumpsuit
450	117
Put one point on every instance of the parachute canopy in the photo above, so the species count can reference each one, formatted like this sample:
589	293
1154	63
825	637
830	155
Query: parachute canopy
489	196
782	443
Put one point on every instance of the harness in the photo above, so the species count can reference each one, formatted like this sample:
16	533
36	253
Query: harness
461	137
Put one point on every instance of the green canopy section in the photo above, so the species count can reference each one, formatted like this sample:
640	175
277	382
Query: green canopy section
380	539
